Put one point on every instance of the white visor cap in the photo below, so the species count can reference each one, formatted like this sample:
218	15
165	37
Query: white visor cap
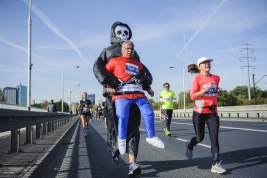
202	59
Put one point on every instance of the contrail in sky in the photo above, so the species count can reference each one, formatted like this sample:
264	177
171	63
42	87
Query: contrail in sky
48	22
33	54
198	30
14	45
185	48
24	50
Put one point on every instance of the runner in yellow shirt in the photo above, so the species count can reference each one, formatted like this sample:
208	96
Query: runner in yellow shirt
166	97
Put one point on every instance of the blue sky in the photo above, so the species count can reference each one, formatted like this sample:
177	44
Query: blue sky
165	33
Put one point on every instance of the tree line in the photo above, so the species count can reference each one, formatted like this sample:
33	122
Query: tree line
236	97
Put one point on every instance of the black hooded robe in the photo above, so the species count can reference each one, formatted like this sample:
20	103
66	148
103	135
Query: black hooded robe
133	135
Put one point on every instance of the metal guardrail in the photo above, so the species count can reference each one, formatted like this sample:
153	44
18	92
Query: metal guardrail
224	113
13	120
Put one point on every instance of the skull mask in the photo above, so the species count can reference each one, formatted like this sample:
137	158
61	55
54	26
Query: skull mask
122	32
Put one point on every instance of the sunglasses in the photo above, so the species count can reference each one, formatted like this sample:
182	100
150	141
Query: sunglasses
166	86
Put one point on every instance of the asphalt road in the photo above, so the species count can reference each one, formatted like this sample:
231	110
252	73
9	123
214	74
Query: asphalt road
243	151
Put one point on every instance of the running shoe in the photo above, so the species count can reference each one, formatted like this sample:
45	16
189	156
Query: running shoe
122	146
217	168
85	134
188	152
155	141
134	169
168	133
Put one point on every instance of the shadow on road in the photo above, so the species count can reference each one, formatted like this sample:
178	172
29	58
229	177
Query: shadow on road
243	158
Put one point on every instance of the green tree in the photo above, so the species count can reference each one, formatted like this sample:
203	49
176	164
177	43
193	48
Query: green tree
37	105
240	91
65	106
227	99
2	99
188	102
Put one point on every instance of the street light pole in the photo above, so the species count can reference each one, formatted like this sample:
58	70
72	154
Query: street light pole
62	107
183	83
254	83
29	57
70	93
70	97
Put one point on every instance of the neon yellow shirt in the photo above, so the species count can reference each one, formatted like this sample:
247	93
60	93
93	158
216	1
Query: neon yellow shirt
167	101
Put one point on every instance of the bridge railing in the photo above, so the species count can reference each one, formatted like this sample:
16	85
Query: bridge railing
13	120
235	112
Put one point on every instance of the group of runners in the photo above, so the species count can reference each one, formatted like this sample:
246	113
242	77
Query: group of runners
87	112
124	80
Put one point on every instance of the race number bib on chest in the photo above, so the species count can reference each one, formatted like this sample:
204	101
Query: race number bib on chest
167	99
85	109
131	69
211	91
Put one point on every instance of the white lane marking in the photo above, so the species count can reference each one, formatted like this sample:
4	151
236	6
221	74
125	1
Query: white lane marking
243	129
235	128
200	144
208	146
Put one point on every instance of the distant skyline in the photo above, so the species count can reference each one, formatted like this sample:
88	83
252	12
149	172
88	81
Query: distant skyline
173	33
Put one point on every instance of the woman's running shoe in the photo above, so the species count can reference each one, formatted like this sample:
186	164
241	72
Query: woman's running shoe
217	168
188	152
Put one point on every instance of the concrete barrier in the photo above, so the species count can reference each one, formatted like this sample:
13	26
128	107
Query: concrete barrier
247	112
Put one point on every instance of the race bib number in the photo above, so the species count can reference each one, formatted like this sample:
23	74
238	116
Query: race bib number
132	69
85	109
167	99
211	91
130	88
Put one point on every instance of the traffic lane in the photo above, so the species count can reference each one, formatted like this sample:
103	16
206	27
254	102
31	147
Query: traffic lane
171	161
243	123
82	156
244	152
72	159
261	125
101	164
237	146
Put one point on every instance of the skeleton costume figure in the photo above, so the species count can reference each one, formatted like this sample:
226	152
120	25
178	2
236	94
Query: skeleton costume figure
119	33
131	91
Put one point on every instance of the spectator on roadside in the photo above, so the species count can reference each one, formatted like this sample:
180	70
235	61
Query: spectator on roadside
52	107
